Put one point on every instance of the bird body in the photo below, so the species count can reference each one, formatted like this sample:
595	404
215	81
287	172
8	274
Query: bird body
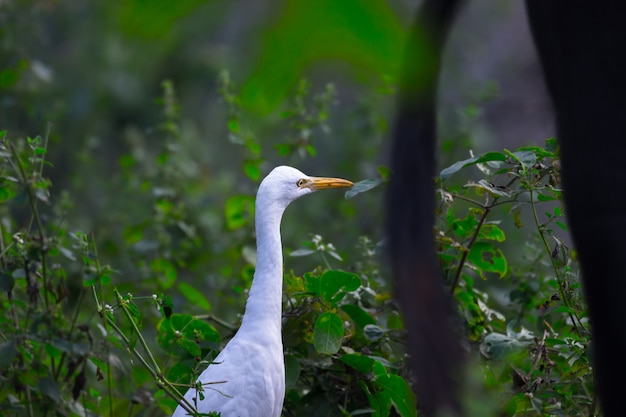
247	378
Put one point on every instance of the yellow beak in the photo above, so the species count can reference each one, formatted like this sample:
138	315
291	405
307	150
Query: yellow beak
323	183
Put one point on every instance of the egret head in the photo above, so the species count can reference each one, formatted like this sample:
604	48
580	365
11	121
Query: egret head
285	184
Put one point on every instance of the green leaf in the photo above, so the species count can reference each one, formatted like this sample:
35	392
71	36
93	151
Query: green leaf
366	36
166	306
233	125
492	189
492	232
302	252
363	186
556	195
498	346
384	172
526	157
328	333
487	259
6	282
251	168
311	150
360	317
73	348
397	390
49	387
8	352
165	272
379	401
335	284
538	151
463	227
312	283
89	279
179	373
457	166
283	149
52	351
401	395
361	363
292	371
134	234
67	253
239	211
194	296
373	332
6	194
183	333
552	145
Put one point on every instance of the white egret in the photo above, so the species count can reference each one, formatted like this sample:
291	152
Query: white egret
247	379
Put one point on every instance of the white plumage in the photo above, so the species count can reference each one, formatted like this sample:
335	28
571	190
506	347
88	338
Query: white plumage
250	369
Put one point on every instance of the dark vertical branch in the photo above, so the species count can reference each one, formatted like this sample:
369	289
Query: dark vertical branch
434	347
581	47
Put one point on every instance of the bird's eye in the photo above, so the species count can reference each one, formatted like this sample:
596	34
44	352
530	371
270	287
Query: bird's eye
300	182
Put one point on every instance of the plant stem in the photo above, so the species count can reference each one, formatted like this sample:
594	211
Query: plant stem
153	366
486	209
574	318
40	229
459	269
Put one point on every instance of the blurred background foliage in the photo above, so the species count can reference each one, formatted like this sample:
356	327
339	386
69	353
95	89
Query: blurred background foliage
95	71
235	77
159	119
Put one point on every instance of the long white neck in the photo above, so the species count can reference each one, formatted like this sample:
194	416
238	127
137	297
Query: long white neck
264	305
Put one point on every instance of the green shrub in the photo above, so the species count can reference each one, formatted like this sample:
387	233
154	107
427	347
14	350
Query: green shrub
81	336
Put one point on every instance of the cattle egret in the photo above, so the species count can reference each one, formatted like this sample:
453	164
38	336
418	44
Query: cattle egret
247	379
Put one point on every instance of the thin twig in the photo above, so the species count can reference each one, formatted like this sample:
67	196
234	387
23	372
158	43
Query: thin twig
574	318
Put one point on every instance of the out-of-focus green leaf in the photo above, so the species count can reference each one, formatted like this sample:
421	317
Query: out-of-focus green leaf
165	272
292	371
302	252
8	352
384	172
6	282
367	35
153	19
251	168
75	348
194	296
6	193
50	388
239	211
